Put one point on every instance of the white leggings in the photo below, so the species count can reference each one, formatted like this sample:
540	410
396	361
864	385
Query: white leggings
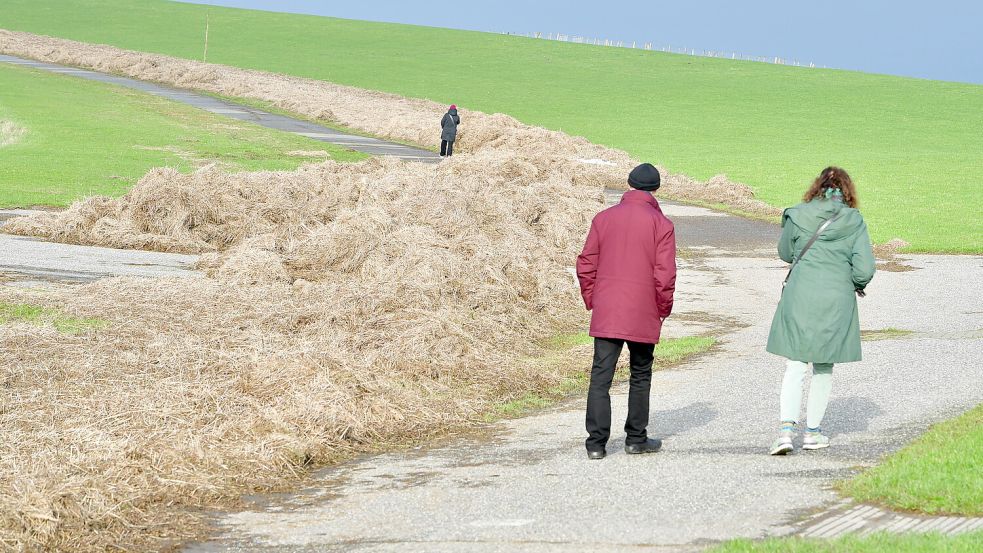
819	388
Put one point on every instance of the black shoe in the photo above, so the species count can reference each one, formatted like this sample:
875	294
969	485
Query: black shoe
649	446
596	454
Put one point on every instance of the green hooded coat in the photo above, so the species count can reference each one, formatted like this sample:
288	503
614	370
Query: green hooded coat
816	320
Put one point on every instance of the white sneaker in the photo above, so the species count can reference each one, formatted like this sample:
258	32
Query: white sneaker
783	445
814	440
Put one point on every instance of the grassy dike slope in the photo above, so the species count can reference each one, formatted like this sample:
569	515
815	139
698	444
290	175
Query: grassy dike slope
84	138
939	473
913	145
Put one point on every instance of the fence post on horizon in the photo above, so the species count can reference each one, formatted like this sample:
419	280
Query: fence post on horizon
684	50
204	55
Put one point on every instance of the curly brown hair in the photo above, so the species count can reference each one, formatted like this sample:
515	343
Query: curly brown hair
833	177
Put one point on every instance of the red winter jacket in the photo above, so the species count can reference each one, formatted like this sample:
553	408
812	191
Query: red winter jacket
627	270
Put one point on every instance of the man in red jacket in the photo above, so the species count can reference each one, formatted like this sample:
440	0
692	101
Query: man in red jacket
627	274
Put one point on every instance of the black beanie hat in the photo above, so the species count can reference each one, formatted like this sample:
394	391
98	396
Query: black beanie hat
644	177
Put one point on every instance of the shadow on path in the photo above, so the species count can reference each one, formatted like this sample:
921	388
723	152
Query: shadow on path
847	415
682	420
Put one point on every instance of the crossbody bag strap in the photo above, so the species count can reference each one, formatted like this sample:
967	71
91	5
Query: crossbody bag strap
809	244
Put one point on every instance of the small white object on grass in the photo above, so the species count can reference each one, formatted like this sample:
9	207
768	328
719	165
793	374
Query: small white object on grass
573	273
595	161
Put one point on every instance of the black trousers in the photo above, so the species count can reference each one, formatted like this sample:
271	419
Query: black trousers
446	148
606	352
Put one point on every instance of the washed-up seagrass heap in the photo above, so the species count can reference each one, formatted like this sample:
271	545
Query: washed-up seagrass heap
393	117
345	306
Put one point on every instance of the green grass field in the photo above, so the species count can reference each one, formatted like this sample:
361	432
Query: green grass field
41	316
940	472
83	138
877	543
913	145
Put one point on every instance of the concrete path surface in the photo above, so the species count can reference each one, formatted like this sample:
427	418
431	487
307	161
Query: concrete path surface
314	131
526	485
867	519
30	260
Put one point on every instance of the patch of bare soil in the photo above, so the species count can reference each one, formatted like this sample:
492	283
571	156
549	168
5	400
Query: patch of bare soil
890	261
895	266
890	248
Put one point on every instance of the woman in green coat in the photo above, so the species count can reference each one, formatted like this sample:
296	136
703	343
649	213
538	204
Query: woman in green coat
816	320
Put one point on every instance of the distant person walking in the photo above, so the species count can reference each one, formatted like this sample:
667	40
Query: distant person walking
826	241
448	131
627	273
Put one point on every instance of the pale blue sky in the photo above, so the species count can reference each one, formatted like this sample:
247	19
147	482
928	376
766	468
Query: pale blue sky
935	40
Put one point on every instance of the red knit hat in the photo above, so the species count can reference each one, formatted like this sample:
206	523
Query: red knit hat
453	106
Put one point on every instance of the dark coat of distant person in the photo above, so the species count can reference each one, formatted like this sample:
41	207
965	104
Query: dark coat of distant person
448	125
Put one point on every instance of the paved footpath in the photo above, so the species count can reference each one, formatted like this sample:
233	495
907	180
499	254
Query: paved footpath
368	145
526	485
29	261
33	261
26	260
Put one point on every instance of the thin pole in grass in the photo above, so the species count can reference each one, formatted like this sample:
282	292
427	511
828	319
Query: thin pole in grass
204	55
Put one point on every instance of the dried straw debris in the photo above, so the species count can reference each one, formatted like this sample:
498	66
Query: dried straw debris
407	119
308	153
348	305
890	248
10	133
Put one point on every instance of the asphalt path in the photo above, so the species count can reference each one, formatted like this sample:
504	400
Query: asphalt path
29	261
526	485
33	259
320	133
